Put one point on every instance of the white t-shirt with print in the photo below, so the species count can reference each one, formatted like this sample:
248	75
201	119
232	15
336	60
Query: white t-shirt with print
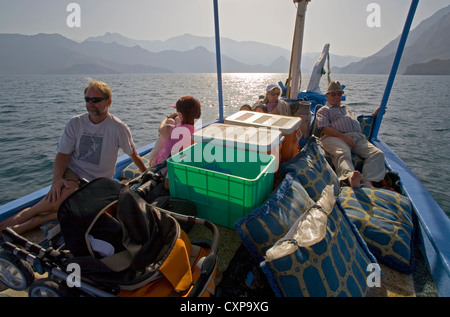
94	147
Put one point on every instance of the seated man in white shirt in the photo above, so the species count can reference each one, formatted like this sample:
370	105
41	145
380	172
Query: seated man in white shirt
88	149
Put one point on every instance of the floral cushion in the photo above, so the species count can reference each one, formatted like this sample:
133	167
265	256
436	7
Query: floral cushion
384	220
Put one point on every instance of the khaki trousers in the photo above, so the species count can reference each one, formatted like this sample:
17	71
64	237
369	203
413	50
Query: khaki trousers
373	169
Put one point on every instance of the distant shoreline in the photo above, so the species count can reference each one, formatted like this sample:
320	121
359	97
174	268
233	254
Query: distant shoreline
433	67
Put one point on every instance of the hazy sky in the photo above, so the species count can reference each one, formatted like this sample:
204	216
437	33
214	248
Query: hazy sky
342	23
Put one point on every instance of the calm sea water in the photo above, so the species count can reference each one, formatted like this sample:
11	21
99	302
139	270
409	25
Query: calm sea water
35	109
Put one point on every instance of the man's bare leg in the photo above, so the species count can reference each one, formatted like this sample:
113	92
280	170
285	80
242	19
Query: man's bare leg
34	222
41	210
21	216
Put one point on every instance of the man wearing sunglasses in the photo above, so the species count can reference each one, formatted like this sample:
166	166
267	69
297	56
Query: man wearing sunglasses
88	149
342	136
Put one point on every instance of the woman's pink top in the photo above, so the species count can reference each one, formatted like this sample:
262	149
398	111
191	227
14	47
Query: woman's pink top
180	138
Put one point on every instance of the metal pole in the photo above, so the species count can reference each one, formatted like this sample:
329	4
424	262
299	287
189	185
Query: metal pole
398	56
218	60
294	81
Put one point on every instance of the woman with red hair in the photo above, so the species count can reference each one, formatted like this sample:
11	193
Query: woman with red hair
176	130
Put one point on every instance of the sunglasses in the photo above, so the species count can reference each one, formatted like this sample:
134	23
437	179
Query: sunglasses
334	94
93	99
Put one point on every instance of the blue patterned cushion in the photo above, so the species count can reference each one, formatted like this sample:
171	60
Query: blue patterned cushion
132	171
384	220
312	169
366	122
265	225
335	266
47	226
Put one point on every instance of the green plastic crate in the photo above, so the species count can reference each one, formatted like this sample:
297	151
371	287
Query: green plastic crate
224	183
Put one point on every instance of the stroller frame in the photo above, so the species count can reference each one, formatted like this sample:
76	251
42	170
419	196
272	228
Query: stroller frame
20	258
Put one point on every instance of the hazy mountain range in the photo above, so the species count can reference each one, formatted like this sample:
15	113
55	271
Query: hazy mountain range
264	56
114	53
429	41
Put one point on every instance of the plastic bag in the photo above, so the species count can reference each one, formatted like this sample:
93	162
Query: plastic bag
309	229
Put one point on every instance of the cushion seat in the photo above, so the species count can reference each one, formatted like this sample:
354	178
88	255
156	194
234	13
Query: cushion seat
132	171
335	266
384	220
365	226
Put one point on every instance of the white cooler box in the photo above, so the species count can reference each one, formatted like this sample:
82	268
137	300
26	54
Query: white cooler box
253	139
288	126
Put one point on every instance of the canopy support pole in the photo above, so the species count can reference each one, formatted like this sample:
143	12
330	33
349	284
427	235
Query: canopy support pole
294	80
